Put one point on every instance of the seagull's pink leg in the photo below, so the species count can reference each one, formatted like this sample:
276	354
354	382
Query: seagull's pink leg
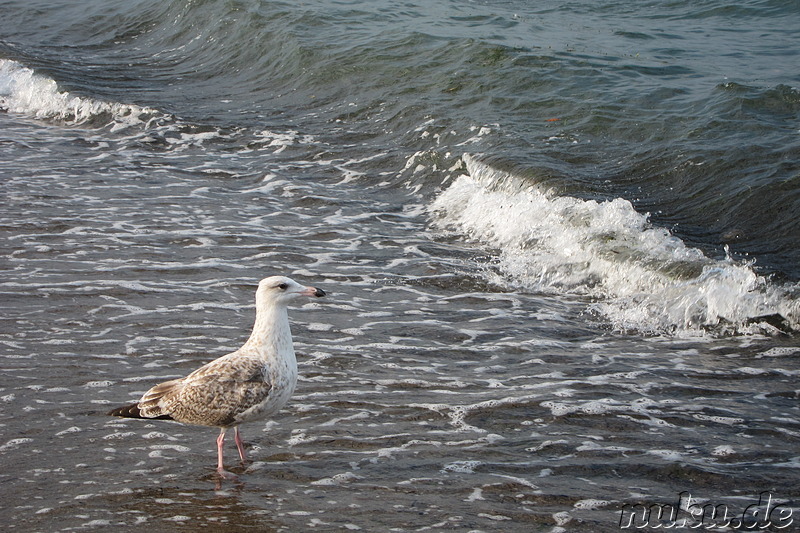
239	444
220	468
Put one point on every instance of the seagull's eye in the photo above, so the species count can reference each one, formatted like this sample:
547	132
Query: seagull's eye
283	286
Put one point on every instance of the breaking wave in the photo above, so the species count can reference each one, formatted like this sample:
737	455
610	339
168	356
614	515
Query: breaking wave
638	276
26	92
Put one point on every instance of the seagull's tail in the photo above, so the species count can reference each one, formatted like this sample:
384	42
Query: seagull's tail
132	411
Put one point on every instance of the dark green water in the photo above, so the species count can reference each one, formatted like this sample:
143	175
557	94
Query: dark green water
559	241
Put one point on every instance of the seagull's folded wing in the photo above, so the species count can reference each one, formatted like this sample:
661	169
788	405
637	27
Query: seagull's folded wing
213	395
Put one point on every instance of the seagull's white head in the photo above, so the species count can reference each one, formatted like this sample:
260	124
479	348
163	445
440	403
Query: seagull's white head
281	290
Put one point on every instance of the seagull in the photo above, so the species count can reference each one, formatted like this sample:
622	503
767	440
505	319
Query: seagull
252	383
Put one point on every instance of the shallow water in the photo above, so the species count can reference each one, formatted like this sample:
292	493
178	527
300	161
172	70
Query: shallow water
429	397
555	288
453	413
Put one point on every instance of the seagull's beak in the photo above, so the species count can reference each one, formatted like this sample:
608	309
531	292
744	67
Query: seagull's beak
313	291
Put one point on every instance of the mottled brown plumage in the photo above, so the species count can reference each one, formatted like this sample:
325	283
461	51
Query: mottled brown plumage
251	383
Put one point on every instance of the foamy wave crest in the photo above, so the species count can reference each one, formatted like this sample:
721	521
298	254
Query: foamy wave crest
25	92
642	277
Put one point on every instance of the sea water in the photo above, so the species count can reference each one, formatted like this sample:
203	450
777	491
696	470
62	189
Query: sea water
559	242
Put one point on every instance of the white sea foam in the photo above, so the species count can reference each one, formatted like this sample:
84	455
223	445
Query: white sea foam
461	467
592	504
73	429
25	92
337	479
723	450
14	443
477	494
643	277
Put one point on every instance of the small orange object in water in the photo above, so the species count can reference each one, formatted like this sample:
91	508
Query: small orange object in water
552	120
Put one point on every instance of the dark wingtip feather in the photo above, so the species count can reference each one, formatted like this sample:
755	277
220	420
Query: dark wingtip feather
127	411
132	411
